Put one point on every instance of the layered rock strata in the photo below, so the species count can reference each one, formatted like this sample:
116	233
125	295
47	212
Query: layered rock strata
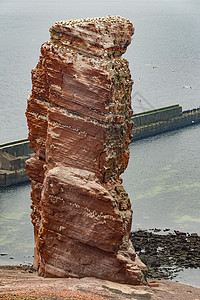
79	119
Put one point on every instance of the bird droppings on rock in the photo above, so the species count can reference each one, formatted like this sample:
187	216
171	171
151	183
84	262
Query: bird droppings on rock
79	119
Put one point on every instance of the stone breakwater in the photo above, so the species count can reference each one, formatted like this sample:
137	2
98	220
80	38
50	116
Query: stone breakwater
79	119
12	162
146	124
161	120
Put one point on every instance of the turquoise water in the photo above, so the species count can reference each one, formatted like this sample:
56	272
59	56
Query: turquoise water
163	174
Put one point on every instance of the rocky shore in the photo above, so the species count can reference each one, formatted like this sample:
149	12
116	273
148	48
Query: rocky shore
18	283
164	252
167	252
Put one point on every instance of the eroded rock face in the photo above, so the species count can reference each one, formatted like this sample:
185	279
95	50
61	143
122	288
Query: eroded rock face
80	128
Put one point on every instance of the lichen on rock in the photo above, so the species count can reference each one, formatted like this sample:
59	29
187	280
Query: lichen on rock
79	119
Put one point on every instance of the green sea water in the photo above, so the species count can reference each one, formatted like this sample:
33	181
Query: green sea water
162	180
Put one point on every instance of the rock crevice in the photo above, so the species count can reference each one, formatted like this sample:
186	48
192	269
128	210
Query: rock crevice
79	119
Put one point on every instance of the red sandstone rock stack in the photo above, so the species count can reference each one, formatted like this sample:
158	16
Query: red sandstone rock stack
80	129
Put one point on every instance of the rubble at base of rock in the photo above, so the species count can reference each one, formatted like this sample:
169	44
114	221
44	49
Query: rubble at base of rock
79	119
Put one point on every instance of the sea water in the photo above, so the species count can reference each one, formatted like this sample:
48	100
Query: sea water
162	178
164	55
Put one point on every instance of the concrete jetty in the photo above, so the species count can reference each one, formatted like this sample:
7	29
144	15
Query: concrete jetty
14	154
12	162
157	121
